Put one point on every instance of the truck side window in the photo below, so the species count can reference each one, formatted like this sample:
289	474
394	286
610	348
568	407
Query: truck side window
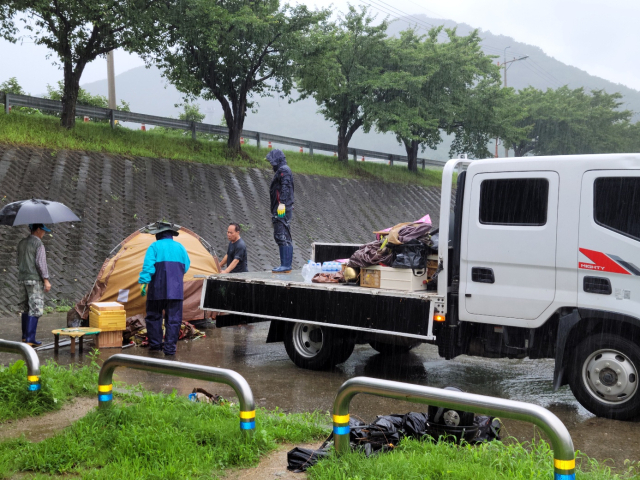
514	201
617	204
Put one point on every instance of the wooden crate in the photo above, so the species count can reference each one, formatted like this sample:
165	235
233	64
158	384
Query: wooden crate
109	339
108	321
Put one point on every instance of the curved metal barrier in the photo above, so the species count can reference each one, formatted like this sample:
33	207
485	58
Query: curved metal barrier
180	369
564	456
30	357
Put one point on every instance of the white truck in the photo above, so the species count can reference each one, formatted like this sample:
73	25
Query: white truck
540	259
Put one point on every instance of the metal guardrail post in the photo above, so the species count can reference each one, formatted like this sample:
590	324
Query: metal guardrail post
7	103
180	369
355	155
258	140
193	130
311	150
423	164
31	359
112	118
564	456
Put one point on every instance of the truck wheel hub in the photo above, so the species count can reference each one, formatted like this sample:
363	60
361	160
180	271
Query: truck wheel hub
610	376
307	339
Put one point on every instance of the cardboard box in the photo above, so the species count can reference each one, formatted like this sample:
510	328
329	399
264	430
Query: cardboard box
108	320
106	306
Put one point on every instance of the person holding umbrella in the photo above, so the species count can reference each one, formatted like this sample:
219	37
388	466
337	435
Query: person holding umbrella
33	276
33	273
165	264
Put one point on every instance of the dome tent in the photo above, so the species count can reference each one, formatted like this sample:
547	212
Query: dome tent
117	280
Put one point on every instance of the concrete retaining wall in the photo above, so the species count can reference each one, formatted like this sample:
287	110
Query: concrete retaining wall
115	195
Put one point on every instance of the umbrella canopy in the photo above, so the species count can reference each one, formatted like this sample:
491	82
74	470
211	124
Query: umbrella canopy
35	210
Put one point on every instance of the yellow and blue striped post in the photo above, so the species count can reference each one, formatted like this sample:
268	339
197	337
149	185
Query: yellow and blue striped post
105	395
248	422
564	469
34	383
341	431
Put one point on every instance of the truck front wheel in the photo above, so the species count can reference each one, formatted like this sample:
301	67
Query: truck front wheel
604	376
315	347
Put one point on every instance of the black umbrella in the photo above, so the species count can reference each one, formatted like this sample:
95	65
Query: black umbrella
35	210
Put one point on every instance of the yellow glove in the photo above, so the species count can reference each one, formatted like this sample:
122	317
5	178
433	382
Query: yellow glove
143	290
281	210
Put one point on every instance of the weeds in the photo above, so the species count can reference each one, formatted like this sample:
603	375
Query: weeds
59	385
414	459
158	436
45	132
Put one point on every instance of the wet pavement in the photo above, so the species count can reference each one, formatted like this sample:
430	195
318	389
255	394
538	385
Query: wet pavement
277	382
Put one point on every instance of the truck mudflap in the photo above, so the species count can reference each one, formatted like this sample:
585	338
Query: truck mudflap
565	324
339	307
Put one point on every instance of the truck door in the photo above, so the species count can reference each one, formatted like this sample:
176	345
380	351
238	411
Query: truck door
609	241
510	257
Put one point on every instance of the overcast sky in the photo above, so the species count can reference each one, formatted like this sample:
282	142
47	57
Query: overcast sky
600	37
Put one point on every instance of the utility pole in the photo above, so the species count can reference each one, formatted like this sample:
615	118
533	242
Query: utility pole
506	67
111	81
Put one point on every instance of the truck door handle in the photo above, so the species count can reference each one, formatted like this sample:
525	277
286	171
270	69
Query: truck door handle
482	275
598	285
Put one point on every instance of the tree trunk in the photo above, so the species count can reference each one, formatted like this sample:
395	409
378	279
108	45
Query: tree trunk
235	133
411	146
344	137
70	95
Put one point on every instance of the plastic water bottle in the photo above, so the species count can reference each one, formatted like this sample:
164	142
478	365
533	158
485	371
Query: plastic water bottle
308	271
317	268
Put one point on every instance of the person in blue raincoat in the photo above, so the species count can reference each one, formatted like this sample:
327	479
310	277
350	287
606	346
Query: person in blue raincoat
161	279
281	193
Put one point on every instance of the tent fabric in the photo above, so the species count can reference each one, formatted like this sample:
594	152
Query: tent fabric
117	280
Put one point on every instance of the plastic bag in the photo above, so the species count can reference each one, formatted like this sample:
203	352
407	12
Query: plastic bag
299	459
337	277
411	255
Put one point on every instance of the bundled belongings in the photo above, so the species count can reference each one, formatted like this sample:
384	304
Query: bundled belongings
386	431
371	254
337	277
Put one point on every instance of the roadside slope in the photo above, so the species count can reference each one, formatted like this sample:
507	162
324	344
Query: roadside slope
114	196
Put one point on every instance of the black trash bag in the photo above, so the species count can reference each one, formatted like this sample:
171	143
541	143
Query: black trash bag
391	423
380	436
299	459
415	424
488	429
357	429
411	255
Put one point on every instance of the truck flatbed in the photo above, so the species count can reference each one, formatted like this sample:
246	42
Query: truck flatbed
267	296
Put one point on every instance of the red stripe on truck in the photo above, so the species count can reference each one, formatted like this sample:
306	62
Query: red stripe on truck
601	263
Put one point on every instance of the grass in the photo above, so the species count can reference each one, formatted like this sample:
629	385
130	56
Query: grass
158	437
45	132
59	385
417	460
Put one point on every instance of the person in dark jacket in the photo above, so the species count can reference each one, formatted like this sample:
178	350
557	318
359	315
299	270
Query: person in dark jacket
281	193
165	264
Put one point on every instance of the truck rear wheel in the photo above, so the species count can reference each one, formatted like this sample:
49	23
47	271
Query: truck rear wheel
604	376
315	347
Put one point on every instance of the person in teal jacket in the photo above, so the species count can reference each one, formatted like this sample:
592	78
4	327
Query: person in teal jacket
161	279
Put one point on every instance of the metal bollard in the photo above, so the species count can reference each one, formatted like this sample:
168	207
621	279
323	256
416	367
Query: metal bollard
30	357
180	369
564	462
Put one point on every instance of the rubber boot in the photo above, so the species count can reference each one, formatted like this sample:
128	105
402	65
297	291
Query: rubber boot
25	322
283	268
32	326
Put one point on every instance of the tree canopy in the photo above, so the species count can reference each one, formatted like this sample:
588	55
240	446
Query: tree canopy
78	32
429	87
340	67
232	50
567	122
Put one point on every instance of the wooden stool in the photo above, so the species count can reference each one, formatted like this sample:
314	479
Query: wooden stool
72	333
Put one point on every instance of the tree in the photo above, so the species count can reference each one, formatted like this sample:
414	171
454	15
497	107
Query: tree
12	86
339	67
79	31
231	50
567	122
430	87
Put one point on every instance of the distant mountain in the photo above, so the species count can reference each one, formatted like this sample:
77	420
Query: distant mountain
148	92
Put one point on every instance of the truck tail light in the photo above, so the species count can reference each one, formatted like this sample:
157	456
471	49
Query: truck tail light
438	318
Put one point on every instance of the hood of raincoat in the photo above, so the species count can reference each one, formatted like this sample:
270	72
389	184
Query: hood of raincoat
276	159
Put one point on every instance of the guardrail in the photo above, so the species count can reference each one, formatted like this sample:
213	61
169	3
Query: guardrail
10	99
180	369
30	357
564	456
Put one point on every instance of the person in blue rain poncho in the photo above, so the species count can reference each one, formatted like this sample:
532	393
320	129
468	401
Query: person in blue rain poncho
161	280
281	193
